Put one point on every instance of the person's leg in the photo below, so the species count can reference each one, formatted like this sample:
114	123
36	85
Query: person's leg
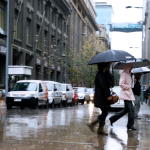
136	106
130	110
94	122
102	119
118	115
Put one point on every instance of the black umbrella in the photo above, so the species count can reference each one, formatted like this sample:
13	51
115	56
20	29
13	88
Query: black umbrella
111	56
138	62
2	34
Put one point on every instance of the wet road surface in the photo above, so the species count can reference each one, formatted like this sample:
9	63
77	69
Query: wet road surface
65	129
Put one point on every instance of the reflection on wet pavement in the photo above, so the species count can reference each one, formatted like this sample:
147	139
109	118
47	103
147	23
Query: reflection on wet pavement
65	129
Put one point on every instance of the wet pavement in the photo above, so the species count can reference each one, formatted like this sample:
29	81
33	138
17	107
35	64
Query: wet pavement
65	129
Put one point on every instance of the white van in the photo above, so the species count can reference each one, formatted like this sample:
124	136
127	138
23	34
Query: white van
32	93
67	94
54	93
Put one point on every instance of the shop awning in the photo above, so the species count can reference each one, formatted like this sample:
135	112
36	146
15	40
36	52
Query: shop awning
20	70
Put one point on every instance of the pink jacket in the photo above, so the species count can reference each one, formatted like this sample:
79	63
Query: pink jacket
126	84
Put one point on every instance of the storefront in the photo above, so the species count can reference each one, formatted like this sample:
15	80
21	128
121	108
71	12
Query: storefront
2	65
17	73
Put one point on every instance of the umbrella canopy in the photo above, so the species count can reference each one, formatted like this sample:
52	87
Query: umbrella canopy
2	34
141	70
138	62
111	56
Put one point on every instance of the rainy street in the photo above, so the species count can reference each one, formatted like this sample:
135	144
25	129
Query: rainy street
65	129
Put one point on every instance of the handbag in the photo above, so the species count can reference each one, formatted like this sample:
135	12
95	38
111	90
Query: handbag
115	98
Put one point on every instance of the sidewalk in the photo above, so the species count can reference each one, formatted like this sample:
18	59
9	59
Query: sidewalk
2	102
145	112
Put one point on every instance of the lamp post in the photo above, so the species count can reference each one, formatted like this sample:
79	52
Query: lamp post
7	53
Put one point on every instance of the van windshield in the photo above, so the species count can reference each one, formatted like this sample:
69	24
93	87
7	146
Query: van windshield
25	86
63	87
91	91
80	90
49	86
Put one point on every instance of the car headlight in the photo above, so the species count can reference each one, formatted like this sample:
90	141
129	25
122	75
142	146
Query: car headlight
91	95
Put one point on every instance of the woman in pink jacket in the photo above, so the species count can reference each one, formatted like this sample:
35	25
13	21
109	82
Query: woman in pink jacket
126	94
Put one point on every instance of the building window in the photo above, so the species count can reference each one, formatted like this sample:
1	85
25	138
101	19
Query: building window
46	10
2	18
29	32
39	4
74	2
46	38
18	24
53	17
38	37
59	23
64	27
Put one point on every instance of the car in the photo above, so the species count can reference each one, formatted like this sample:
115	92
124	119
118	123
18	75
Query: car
75	98
120	103
67	94
83	94
32	93
54	93
91	91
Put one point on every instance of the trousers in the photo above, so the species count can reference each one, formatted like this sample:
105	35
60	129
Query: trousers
104	114
127	109
136	106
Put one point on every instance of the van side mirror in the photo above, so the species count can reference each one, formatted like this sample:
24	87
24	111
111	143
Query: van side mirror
41	90
67	89
55	89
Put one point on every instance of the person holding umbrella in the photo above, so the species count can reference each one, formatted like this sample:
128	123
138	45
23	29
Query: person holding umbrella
102	96
137	93
126	94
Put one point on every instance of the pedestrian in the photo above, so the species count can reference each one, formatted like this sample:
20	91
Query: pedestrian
102	97
137	92
126	94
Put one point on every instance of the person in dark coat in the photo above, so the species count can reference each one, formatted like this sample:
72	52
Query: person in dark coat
102	97
137	93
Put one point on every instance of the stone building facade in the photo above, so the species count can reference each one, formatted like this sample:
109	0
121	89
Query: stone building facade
38	37
103	36
82	23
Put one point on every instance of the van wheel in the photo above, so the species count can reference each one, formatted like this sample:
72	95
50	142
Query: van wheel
52	105
71	104
66	103
60	104
83	101
36	105
9	106
46	106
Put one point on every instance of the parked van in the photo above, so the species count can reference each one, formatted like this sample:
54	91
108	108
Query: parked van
31	93
67	94
54	93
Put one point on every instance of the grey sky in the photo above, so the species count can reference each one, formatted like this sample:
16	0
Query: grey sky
120	40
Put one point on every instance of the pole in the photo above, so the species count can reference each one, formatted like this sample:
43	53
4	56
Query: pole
7	52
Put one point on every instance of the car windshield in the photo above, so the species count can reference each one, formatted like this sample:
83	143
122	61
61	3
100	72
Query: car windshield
49	86
25	86
91	91
80	90
63	87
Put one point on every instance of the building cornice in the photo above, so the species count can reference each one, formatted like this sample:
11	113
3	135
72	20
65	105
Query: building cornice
93	21
84	6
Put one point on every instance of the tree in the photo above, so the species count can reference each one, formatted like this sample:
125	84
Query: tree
78	70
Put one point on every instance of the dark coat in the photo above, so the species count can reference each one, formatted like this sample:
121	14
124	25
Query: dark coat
102	91
137	88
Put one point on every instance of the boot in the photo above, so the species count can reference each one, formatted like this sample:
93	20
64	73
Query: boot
92	124
101	128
